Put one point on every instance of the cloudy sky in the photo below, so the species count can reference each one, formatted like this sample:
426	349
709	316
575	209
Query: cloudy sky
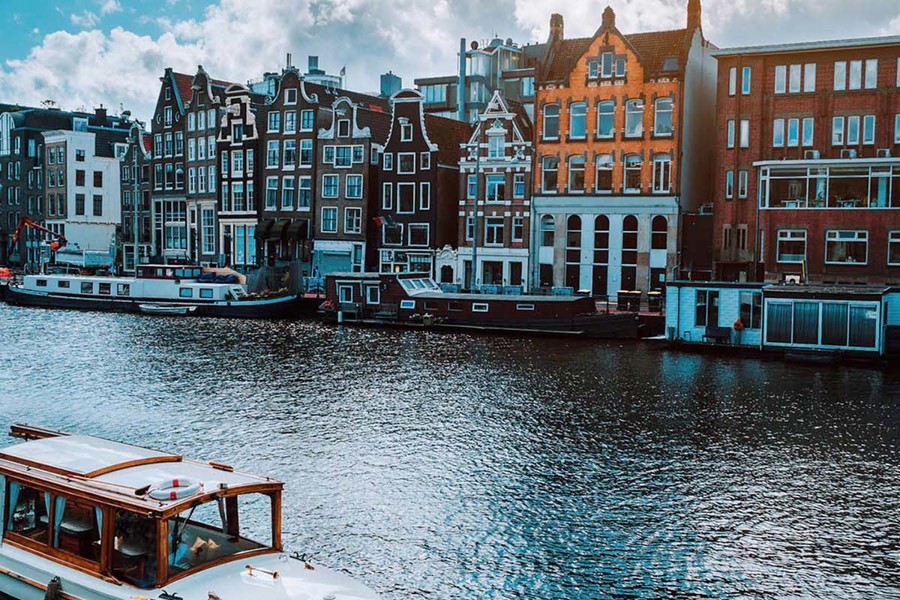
81	53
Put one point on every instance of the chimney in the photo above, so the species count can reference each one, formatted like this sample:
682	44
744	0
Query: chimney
693	15
557	28
100	114
609	18
288	60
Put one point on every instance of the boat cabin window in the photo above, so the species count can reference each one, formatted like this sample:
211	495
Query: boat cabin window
105	289
431	306
479	307
408	304
206	293
186	292
218	529
134	549
76	528
87	287
41	283
63	284
123	289
28	512
524	306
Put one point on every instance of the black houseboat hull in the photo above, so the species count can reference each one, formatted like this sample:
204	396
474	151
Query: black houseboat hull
284	307
600	326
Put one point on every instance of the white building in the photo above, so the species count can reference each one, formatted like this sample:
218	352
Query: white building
83	186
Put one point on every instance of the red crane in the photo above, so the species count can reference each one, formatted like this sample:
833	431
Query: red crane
59	242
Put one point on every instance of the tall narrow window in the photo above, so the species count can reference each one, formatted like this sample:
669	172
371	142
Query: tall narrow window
853	130
578	121
780	79
729	140
778	133
732	81
604	181
794	84
576	174
793	137
729	184
662	117
632	174
837	131
869	129
634	118
662	169
549	173
551	122
745	81
745	133
855	82
808	126
742	184
840	75
809	77
606	111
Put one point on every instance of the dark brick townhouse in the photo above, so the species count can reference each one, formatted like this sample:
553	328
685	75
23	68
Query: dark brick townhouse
418	207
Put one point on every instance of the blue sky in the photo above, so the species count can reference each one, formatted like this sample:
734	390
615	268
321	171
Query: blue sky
81	53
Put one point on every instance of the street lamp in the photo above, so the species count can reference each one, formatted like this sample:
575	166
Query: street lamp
134	138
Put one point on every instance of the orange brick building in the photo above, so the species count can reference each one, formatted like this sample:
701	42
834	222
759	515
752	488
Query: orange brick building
623	146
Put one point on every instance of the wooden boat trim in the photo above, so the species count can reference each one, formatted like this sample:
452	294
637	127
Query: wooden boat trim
37	584
150	460
216	563
64	558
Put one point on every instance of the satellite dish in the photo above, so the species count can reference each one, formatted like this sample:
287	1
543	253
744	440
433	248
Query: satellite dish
474	45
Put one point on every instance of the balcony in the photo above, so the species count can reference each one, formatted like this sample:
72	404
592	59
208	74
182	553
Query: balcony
854	184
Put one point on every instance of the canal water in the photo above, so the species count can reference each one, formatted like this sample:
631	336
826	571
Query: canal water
454	466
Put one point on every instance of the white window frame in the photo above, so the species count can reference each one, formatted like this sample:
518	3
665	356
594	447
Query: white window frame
746	77
743	181
729	135
329	209
893	238
837	131
790	235
387	196
781	79
840	75
778	133
337	185
729	184
809	77
868	130
732	81
419	226
425	195
274	197
356	219
400	156
745	133
836	235
353	177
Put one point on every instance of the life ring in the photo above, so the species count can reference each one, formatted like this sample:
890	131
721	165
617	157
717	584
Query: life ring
174	489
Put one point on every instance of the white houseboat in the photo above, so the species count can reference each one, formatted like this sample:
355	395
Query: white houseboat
157	289
809	322
85	518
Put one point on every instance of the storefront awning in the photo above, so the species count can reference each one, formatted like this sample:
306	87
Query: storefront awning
262	230
298	230
277	230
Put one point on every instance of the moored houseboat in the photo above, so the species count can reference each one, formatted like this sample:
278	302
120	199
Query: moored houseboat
88	518
415	300
157	289
809	323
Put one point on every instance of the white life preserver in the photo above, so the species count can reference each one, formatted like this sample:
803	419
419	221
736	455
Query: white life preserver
174	489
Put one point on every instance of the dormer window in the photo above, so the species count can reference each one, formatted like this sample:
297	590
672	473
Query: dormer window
620	66
344	128
495	146
593	69
406	132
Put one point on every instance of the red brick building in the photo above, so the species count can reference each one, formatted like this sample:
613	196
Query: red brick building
808	162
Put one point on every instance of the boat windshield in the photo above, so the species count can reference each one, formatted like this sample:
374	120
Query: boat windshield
218	529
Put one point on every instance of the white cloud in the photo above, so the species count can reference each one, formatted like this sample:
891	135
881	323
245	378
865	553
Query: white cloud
110	6
86	20
238	40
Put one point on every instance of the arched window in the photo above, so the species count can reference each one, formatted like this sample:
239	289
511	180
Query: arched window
603	181
662	116
606	113
632	173
6	127
573	233
548	231
549	174
601	255
578	121
576	174
659	238
662	173
551	122
629	252
634	118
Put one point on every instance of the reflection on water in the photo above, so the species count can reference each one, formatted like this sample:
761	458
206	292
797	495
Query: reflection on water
454	466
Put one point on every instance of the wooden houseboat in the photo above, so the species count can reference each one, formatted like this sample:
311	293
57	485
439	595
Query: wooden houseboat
415	300
86	518
157	289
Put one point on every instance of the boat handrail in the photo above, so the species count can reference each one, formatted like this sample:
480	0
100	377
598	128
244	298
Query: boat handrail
33	432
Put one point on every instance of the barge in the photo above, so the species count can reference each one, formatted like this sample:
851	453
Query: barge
86	518
156	289
415	300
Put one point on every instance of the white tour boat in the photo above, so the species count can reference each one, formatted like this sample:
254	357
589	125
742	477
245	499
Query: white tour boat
86	518
157	289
